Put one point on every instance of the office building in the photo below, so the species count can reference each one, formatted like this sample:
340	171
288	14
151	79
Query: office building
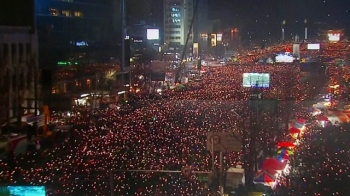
77	32
177	21
18	61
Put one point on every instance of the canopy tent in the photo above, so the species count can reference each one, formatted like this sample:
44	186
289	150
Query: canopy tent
291	138
283	156
298	125
285	144
301	121
322	118
264	177
319	106
294	130
273	164
285	151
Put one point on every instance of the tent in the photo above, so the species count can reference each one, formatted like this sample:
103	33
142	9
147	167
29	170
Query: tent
285	151
322	118
273	164
294	130
283	156
264	177
285	144
298	125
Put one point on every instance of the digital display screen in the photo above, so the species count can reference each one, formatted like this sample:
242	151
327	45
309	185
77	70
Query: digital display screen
313	46
260	80
22	191
333	37
152	34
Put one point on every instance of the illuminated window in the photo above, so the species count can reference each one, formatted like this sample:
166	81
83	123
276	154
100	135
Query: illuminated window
174	9
88	83
66	13
176	20
78	14
54	12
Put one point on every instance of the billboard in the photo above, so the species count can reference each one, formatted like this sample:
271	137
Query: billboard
152	34
213	40
284	58
219	37
195	49
23	190
333	37
261	80
313	46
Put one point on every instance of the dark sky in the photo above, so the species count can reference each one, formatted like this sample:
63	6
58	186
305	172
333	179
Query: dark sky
265	16
16	12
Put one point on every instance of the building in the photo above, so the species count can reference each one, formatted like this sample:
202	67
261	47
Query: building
18	61
77	32
177	21
19	72
178	16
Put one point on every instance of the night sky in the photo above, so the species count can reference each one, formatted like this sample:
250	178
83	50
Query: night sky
266	16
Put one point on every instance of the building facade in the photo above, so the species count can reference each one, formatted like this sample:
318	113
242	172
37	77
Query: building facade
77	31
18	72
177	22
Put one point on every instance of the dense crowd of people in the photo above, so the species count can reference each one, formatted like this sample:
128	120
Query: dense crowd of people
164	134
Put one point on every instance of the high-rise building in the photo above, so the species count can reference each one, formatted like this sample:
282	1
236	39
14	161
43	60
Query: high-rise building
77	31
177	22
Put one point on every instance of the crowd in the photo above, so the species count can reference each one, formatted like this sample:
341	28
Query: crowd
322	166
166	134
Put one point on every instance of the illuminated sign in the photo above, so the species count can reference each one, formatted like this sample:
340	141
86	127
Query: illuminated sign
152	34
333	37
213	39
219	37
313	46
195	49
66	63
82	43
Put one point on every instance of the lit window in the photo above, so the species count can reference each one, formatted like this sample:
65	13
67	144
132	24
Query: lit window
176	20
78	14
88	83
66	13
54	12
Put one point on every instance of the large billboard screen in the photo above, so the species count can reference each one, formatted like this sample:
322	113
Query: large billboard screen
261	80
152	34
23	190
313	46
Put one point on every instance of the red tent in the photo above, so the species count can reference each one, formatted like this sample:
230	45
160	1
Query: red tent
322	118
285	144
264	177
294	130
301	121
272	164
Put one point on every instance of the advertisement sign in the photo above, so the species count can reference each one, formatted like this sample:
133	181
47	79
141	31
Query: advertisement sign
256	79
219	37
23	190
195	49
333	37
313	46
213	40
152	34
